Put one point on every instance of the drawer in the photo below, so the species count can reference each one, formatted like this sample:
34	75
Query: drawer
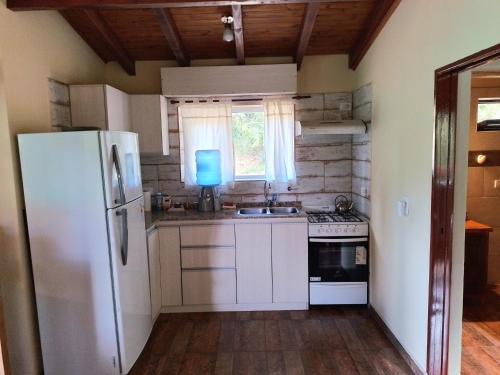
208	257
207	235
208	287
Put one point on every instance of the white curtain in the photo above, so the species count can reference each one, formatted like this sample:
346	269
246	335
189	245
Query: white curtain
207	127
279	134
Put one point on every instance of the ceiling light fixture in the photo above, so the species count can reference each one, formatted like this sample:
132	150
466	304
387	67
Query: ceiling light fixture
228	34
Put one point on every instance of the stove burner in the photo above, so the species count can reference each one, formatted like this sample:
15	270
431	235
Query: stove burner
331	217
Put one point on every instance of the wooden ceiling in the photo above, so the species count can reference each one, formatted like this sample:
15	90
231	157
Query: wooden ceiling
130	30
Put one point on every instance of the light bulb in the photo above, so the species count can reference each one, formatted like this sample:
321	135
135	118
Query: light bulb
481	159
228	35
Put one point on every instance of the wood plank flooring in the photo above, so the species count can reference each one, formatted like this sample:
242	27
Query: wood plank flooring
481	336
319	341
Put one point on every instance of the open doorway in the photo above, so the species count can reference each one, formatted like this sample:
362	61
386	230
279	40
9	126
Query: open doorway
481	293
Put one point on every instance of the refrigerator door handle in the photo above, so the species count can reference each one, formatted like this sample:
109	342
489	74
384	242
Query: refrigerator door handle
116	163
124	242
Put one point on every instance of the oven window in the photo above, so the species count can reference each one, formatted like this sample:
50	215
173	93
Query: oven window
338	261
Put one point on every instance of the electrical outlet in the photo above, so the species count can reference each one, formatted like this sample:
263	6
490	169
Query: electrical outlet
496	184
403	207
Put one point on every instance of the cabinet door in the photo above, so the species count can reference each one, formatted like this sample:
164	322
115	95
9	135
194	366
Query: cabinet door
209	287
170	265
154	273
253	263
88	106
289	254
149	119
117	110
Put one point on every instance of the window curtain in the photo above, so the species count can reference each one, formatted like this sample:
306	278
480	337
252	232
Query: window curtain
207	127
279	134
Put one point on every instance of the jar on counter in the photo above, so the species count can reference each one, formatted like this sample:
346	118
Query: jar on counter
157	201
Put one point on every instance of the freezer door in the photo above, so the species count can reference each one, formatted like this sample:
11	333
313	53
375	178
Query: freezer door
121	167
130	280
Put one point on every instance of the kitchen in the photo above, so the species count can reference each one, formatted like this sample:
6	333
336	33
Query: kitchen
236	275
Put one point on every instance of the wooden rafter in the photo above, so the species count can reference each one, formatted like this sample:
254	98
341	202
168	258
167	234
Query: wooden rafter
170	32
238	34
138	4
109	38
381	14
310	15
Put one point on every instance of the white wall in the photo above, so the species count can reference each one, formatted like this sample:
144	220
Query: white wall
34	46
420	37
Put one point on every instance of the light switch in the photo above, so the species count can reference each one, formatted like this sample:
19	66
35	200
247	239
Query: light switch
403	207
496	184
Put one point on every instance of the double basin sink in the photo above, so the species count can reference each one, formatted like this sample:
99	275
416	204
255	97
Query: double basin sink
268	211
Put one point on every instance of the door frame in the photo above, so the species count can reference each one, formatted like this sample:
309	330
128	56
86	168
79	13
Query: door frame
443	184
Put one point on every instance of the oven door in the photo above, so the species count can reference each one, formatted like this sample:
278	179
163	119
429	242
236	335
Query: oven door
338	259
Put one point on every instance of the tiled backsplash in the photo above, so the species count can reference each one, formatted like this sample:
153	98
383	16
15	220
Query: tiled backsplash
324	164
361	150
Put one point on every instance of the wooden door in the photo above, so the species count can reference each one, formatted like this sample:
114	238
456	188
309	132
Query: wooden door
289	262
88	106
117	110
154	273
253	263
170	266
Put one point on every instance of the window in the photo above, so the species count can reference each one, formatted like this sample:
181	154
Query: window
488	115
256	142
248	142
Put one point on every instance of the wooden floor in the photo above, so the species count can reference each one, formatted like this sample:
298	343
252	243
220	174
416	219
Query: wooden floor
481	336
320	341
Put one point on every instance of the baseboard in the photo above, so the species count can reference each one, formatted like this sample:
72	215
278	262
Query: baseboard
409	361
236	307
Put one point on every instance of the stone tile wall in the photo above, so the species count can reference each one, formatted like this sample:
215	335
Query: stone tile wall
361	150
324	165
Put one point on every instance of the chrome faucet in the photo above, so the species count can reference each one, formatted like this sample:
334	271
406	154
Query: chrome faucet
274	197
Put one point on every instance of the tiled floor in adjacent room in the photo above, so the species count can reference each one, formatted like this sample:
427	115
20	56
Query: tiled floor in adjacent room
320	341
481	336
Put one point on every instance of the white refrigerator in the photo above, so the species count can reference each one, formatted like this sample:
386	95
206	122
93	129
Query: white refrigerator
85	216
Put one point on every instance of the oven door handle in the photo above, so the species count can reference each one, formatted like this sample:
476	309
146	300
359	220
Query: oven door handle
338	240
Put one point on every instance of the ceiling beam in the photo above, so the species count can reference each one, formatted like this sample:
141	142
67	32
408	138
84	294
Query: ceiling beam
20	5
109	38
238	34
381	14
310	15
171	33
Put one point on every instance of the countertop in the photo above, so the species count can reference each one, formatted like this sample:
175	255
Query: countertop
155	218
472	226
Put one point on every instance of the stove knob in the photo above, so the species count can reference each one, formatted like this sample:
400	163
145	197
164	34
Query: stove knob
345	230
337	230
354	228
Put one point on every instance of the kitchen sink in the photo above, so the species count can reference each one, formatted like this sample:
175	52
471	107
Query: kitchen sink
283	210
252	211
264	211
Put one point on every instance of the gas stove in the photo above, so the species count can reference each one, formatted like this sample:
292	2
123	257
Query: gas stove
325	222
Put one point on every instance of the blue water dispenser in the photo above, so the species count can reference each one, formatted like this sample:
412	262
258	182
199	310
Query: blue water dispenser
208	176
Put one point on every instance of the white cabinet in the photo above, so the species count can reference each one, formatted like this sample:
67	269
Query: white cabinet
253	263
209	287
154	273
207	257
170	263
250	265
207	235
149	119
100	105
289	260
